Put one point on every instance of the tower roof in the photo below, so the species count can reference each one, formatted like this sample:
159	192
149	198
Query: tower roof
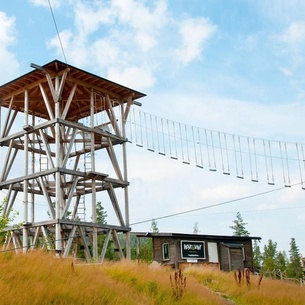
13	91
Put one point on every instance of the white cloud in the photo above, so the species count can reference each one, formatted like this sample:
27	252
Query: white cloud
145	41
141	16
194	34
286	71
88	18
295	33
291	43
107	53
65	37
8	65
138	77
225	191
233	115
7	30
145	22
76	51
116	38
113	38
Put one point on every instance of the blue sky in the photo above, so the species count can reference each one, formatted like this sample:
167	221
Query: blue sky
233	66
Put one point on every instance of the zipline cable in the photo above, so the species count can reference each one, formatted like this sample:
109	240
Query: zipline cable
57	31
213	205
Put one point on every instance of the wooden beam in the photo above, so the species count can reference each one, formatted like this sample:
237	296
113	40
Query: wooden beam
112	117
113	159
9	160
69	242
10	203
71	192
95	88
36	236
29	177
5	126
16	242
47	197
45	234
105	245
47	147
83	238
70	146
117	243
70	98
74	213
127	109
47	103
89	129
21	90
115	205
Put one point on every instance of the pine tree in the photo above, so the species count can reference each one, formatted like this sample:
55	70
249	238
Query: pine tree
154	226
269	256
146	249
101	217
281	261
294	268
196	228
101	214
239	227
257	256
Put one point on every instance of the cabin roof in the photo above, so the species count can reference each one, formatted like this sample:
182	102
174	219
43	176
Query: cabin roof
197	236
13	92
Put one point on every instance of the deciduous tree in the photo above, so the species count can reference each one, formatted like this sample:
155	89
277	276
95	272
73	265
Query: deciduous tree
5	220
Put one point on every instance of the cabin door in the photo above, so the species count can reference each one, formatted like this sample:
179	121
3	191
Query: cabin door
236	259
213	252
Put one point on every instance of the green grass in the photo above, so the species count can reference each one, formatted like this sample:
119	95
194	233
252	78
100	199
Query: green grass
40	278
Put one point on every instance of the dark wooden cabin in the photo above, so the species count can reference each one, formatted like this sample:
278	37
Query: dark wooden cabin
225	252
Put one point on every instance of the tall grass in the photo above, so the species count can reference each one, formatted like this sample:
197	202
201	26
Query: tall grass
40	278
155	283
250	291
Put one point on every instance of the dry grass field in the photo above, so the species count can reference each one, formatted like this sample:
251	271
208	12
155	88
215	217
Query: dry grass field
40	278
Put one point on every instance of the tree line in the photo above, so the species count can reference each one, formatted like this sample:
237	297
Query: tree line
269	258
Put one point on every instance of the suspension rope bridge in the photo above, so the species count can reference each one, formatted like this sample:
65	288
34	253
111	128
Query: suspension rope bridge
242	156
245	157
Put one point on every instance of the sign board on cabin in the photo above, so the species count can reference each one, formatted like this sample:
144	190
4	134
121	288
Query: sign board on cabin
192	249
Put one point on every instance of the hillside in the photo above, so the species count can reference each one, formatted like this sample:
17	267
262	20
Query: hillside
40	278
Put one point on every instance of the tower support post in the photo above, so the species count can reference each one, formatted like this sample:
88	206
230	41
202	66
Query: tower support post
77	127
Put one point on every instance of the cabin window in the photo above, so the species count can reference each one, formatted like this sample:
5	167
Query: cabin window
165	251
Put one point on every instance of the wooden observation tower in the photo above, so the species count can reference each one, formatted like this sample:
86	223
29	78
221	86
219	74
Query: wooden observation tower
61	129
